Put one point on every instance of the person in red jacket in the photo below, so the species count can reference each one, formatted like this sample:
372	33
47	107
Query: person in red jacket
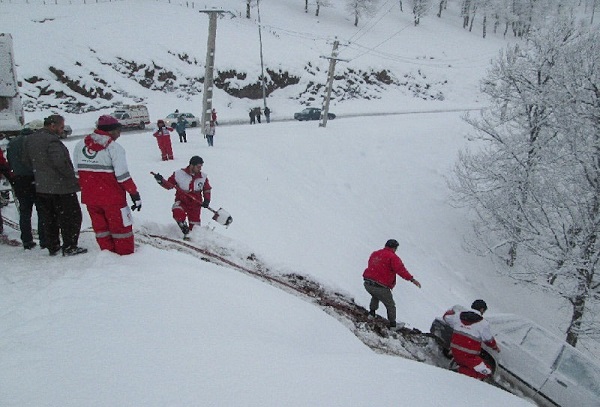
101	167
470	330
193	193
380	279
163	138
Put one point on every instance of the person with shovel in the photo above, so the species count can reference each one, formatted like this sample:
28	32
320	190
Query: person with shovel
192	193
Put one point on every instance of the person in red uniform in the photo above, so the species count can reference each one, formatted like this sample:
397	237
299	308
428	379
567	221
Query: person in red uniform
163	138
380	279
470	330
193	192
101	167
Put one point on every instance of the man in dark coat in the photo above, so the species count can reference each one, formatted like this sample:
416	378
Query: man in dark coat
56	186
24	187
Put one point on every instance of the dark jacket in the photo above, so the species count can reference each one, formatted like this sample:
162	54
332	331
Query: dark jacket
51	163
14	154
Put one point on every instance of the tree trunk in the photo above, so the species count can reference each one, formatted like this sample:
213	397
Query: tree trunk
356	18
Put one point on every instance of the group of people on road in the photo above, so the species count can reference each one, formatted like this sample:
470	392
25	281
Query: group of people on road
43	175
470	328
255	114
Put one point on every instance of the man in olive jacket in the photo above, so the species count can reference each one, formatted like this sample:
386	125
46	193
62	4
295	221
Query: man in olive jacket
56	186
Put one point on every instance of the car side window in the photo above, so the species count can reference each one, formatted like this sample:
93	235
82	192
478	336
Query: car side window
580	370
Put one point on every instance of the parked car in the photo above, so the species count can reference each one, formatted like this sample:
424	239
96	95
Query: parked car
39	124
311	113
190	119
537	363
132	116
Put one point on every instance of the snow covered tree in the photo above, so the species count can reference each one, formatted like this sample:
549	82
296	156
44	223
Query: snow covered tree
420	8
535	182
360	8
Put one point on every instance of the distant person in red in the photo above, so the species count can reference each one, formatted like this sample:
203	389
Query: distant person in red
163	138
101	166
213	116
193	193
380	279
470	330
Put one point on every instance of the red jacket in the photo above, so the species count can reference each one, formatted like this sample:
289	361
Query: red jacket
470	330
101	166
163	131
190	188
383	266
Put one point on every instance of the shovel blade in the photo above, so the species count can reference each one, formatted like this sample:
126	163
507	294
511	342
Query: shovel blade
223	217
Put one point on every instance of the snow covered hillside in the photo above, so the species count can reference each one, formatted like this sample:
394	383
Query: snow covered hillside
161	328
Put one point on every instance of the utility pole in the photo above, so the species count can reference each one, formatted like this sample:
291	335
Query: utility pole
207	96
332	61
262	66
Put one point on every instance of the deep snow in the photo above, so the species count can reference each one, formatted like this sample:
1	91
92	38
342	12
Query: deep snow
161	328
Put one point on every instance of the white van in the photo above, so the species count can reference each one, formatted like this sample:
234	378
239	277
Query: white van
132	116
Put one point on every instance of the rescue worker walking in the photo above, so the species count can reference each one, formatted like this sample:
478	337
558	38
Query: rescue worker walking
101	167
380	279
470	330
163	138
193	193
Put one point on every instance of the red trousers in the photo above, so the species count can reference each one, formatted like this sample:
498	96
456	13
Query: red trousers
166	150
467	364
113	227
192	212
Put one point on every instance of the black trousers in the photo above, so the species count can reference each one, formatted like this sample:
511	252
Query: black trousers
61	217
25	193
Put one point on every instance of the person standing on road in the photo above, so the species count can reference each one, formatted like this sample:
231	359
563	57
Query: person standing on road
380	279
268	114
470	330
24	187
56	186
104	178
210	133
252	115
180	127
163	138
213	116
193	193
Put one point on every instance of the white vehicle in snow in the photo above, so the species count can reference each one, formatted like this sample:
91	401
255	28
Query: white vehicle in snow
132	116
190	119
11	109
536	363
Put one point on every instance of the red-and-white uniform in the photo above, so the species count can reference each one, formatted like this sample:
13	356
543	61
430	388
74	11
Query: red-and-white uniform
101	166
163	138
192	190
470	330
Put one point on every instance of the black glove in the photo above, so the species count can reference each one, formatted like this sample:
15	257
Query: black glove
159	178
206	203
137	202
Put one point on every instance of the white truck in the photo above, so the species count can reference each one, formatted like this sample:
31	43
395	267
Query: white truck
132	116
11	109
